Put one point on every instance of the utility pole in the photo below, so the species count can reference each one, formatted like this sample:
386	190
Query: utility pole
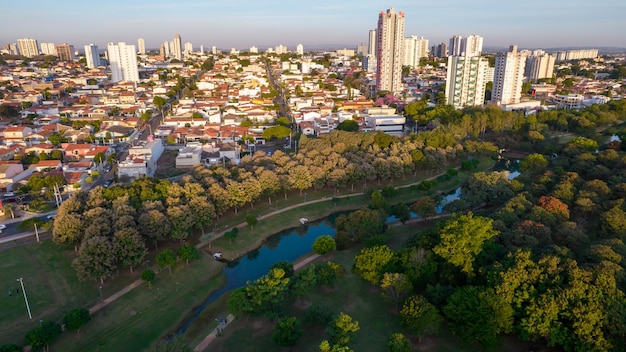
36	232
57	195
30	316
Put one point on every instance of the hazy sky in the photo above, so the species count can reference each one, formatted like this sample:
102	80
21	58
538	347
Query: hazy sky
243	23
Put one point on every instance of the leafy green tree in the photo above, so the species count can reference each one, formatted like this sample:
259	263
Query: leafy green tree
323	245
129	247
232	234
325	346
10	347
371	262
159	102
398	343
490	188
534	163
362	223
187	252
251	220
166	258
148	276
238	302
342	328
76	319
462	239
287	331
327	273
478	315
395	286
348	126
276	132
419	317
425	207
96	259
42	336
401	212
304	280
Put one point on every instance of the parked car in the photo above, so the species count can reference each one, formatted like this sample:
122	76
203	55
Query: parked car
107	183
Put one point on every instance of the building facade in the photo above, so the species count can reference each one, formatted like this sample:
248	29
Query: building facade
466	80
389	51
508	77
539	65
48	49
177	48
65	52
92	56
123	62
141	45
27	47
414	49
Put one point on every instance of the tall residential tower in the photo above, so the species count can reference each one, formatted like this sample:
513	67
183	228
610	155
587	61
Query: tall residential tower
508	77
123	61
92	56
389	51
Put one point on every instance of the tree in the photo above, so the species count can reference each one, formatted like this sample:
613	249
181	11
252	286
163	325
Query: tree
148	276
159	102
478	315
175	344
419	317
342	328
362	224
349	126
76	318
323	245
129	247
401	212
251	220
490	188
533	163
238	303
462	238
287	331
96	259
10	347
232	234
42	336
166	258
398	343
187	252
276	132
425	207
370	263
395	286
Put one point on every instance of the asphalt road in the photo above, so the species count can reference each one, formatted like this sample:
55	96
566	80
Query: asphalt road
12	226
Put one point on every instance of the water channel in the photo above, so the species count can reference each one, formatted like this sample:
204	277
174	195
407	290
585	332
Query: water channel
290	244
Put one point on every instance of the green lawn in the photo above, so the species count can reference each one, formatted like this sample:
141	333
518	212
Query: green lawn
51	287
146	313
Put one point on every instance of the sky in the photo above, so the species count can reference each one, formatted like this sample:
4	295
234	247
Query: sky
241	24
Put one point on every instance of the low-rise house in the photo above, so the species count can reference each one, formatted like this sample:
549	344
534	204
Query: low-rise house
44	165
189	156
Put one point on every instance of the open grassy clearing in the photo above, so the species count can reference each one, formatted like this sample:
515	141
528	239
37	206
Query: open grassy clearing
146	313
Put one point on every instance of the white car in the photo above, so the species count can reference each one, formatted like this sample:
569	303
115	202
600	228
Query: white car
2	227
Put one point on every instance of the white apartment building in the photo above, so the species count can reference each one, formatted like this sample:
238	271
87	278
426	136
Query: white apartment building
254	49
188	48
177	48
48	49
466	80
300	49
92	56
508	77
123	62
462	46
577	54
371	48
539	65
414	49
141	45
28	47
389	51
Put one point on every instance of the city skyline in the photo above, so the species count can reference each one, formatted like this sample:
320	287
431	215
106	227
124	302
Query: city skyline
243	23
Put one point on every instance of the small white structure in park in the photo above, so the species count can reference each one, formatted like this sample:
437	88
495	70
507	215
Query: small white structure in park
304	220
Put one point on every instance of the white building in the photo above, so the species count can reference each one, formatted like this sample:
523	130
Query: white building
472	45
92	56
414	49
466	80
28	47
539	65
508	77
123	62
391	124
389	51
371	48
141	45
142	160
177	48
254	49
48	49
188	48
299	49
189	156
